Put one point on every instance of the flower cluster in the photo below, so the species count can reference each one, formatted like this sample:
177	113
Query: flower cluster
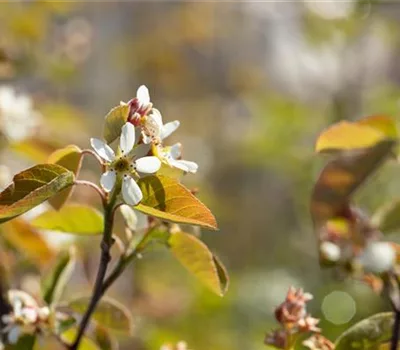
352	244
318	342
25	317
141	150
154	131
18	119
293	317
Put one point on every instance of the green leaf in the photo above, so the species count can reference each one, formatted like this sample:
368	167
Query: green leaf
367	333
168	200
114	122
36	150
25	342
32	187
194	255
28	241
386	346
364	133
86	344
74	218
109	313
55	280
383	123
104	339
222	274
387	219
70	158
342	176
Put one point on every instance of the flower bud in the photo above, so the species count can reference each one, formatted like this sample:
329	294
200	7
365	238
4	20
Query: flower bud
378	257
330	251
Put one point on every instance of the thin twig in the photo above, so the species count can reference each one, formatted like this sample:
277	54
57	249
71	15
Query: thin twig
396	329
105	258
95	187
392	286
95	155
124	261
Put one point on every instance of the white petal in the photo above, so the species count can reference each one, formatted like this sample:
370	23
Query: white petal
191	166
378	257
30	315
107	180
142	221
127	139
156	117
148	165
129	216
7	319
131	192
17	307
13	334
177	164
169	128
102	149
176	150
143	95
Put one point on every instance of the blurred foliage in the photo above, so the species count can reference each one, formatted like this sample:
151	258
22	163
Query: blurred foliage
254	84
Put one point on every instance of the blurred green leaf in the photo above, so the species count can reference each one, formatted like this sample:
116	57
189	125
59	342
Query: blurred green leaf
368	333
386	125
31	187
354	135
104	339
36	150
387	218
25	342
114	121
56	278
70	158
342	176
74	218
386	346
109	313
168	200
28	241
222	274
86	344
195	256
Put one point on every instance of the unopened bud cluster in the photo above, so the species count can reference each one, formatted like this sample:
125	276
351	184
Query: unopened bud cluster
293	318
352	244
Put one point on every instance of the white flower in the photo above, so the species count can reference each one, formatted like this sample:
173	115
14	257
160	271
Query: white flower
153	129
18	120
23	317
171	155
378	257
330	251
127	163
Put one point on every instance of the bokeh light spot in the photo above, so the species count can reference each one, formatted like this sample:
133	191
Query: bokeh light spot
338	307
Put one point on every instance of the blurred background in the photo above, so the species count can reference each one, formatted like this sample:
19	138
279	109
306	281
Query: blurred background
253	83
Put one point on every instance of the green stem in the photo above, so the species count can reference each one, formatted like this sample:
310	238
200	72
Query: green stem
105	258
396	328
125	260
